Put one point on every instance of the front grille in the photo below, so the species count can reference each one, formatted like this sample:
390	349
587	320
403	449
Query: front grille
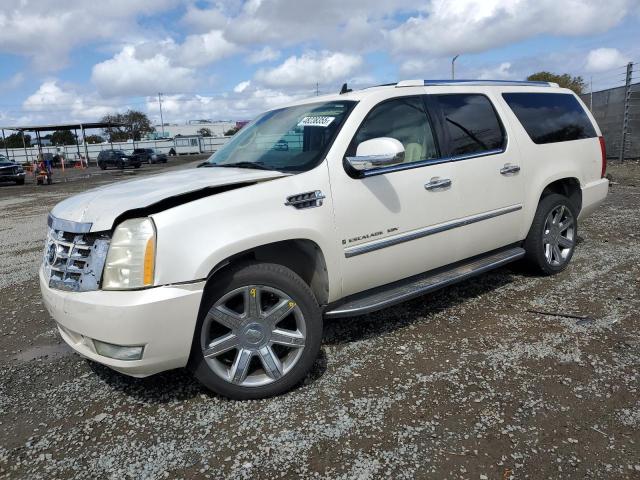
73	261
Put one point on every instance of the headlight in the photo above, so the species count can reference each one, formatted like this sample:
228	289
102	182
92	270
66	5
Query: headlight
132	256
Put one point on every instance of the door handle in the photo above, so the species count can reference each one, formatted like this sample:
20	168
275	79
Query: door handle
509	169
437	183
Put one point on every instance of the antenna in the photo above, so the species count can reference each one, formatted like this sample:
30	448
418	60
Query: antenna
345	89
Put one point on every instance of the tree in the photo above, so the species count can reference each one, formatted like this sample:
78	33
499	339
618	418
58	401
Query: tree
231	131
205	132
94	139
63	137
565	80
132	124
15	141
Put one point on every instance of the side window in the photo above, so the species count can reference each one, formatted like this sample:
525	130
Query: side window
471	123
550	117
405	120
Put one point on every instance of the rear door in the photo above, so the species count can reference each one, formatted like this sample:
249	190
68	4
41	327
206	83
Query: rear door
486	170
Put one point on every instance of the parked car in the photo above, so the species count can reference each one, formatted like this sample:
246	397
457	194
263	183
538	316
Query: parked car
381	195
11	171
149	155
117	158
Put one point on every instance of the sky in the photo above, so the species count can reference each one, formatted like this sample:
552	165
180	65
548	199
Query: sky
78	60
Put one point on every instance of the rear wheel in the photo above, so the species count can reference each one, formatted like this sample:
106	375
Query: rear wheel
552	237
102	166
259	333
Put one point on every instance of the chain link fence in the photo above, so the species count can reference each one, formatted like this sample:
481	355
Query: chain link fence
617	110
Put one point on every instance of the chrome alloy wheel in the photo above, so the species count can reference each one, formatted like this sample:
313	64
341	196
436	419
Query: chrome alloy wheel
253	335
558	237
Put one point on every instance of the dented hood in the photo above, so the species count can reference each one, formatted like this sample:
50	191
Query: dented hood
101	206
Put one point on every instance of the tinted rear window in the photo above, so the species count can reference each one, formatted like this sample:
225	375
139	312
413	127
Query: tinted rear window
550	117
471	122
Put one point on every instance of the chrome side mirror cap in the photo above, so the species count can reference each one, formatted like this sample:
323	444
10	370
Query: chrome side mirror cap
376	153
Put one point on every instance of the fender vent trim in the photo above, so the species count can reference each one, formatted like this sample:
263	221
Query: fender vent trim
305	200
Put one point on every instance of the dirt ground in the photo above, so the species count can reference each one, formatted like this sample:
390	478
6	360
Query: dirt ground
468	382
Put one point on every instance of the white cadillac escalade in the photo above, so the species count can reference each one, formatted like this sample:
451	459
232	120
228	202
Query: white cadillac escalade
333	206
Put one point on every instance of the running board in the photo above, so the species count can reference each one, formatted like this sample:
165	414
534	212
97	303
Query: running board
402	290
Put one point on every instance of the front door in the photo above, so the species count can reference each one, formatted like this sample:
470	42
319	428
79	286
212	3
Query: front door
380	218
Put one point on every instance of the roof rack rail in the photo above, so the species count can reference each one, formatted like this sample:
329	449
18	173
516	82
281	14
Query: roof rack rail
531	83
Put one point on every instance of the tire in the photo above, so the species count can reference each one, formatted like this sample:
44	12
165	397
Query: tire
20	181
102	166
551	240
249	336
137	165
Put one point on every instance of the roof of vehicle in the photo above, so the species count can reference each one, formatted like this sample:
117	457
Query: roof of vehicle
357	95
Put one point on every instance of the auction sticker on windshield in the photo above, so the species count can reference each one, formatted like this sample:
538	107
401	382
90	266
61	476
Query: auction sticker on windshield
316	121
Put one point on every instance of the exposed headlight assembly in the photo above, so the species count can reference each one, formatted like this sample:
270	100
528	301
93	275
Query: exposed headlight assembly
131	258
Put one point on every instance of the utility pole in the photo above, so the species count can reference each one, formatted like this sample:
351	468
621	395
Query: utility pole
317	92
161	120
625	111
453	67
591	93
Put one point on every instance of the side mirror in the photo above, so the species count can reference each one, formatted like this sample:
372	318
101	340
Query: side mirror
377	152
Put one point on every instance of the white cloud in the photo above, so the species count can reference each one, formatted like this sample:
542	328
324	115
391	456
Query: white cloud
47	30
501	72
602	59
239	106
468	26
204	19
199	50
418	66
53	100
242	86
126	74
335	24
266	54
311	68
14	81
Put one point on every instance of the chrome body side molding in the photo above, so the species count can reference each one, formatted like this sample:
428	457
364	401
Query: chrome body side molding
424	232
424	163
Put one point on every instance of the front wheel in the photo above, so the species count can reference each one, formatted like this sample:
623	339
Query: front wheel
258	334
552	237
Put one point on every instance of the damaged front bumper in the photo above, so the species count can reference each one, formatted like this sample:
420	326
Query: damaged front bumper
160	320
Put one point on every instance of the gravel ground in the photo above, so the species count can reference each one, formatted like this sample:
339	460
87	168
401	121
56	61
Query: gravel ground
469	382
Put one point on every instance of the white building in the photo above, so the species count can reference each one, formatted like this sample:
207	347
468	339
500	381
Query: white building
194	127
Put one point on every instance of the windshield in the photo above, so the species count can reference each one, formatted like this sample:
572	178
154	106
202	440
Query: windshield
293	139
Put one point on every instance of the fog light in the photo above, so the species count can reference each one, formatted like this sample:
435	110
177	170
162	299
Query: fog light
119	352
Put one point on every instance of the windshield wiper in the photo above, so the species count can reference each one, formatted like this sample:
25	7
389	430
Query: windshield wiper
256	166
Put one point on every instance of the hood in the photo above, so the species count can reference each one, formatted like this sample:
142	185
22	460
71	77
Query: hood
101	206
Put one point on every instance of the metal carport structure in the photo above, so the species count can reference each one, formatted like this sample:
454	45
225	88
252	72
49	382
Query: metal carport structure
56	127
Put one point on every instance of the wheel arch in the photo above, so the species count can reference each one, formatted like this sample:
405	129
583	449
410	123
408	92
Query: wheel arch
303	256
567	186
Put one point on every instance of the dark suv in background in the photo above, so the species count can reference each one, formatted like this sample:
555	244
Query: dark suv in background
150	155
117	158
11	171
